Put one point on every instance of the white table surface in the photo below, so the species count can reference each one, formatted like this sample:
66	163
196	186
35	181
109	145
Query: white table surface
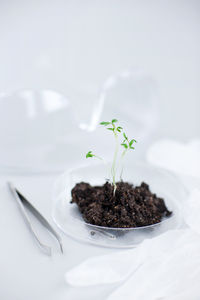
25	272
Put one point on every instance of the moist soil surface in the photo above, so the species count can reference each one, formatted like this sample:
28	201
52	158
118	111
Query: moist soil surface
129	207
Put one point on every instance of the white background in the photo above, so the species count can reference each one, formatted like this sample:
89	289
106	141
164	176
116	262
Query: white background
72	46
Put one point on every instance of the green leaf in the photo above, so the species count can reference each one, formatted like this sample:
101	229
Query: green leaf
105	123
125	146
119	128
131	142
132	148
114	120
111	129
126	138
89	154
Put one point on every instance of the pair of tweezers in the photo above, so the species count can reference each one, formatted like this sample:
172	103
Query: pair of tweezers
25	204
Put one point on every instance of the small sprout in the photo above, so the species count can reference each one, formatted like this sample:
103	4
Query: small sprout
125	137
126	144
116	131
119	128
131	143
105	123
89	154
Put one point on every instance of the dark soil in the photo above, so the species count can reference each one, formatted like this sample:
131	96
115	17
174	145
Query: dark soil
129	207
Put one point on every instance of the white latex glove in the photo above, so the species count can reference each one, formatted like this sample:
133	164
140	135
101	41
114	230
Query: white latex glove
173	274
116	267
104	269
191	211
180	158
160	268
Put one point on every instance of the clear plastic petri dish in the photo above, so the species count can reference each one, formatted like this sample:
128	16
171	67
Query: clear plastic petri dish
68	218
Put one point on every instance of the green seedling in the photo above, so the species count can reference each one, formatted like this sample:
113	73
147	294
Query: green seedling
126	144
90	154
116	131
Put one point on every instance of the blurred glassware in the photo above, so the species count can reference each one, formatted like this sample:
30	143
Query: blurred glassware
130	96
33	126
40	130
